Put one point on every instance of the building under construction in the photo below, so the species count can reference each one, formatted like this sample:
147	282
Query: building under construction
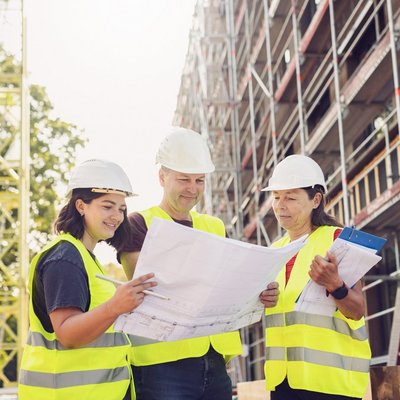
264	79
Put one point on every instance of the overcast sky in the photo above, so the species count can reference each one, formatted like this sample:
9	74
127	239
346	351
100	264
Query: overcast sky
113	68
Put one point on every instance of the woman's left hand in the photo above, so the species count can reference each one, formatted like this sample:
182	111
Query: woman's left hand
324	271
269	296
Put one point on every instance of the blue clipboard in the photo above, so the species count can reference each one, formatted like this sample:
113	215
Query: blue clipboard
362	238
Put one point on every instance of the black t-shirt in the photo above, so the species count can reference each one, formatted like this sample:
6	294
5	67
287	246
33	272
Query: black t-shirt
60	281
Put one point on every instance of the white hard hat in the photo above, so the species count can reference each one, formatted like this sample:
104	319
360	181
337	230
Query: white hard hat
100	175
294	172
186	151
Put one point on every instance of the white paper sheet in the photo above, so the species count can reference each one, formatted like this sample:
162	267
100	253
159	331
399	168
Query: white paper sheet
213	282
354	262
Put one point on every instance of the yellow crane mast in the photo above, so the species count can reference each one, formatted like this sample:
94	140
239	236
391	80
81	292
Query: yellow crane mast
14	191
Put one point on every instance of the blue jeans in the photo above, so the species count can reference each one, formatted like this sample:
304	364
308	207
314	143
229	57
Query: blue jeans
200	378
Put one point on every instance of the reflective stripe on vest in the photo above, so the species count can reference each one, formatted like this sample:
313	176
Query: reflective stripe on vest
324	358
105	340
51	371
78	378
322	321
303	346
227	344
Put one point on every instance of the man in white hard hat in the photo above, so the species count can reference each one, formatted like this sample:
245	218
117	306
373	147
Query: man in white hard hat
191	368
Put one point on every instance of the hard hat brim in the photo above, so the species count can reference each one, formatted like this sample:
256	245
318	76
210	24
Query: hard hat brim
113	191
275	187
188	170
272	188
100	190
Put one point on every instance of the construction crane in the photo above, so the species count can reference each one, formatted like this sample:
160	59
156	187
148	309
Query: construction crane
14	193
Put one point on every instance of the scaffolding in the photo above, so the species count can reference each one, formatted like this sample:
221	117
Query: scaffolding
14	190
264	79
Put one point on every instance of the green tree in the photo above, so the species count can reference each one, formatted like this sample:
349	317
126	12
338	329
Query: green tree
53	144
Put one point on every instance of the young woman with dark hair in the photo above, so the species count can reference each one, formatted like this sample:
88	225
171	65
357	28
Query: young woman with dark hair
72	350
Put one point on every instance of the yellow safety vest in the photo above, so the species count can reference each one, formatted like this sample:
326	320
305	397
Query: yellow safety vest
99	370
227	344
317	353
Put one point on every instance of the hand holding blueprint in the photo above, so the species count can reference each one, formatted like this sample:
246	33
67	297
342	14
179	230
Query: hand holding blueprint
355	257
213	282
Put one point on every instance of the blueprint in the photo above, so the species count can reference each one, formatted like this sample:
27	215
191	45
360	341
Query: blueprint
354	261
212	282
